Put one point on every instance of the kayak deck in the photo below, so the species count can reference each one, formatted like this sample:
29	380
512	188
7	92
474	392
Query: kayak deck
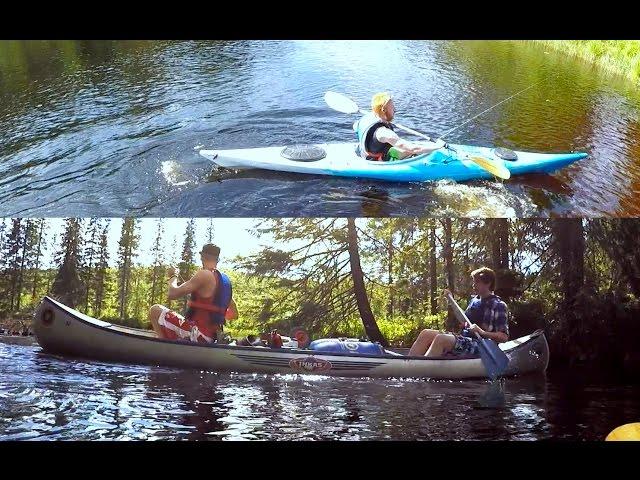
341	160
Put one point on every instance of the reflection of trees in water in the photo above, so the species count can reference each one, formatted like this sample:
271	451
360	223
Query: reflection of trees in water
131	73
82	390
352	408
25	61
524	121
443	410
375	202
581	406
197	393
630	201
118	401
567	108
512	408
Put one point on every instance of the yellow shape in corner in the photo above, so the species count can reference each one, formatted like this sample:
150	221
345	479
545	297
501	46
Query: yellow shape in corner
630	431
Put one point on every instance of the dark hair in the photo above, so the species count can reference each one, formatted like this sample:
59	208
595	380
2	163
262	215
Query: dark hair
210	250
485	275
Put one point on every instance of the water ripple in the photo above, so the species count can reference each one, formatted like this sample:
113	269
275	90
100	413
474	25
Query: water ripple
112	118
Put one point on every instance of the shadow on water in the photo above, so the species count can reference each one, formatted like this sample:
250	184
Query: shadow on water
245	192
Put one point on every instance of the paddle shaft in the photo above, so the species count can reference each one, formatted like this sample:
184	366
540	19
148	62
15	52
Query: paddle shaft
460	313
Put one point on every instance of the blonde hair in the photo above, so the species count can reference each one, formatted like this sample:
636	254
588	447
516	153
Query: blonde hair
379	101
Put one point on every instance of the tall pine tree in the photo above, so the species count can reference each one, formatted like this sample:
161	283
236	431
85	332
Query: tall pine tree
90	258
100	279
38	251
210	231
158	271
15	242
126	253
67	285
188	250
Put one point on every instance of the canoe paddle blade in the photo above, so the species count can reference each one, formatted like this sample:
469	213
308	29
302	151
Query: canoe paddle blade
493	358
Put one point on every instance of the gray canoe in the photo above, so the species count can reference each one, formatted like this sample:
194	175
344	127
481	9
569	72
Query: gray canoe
63	330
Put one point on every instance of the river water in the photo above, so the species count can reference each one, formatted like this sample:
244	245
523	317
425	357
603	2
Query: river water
48	397
113	128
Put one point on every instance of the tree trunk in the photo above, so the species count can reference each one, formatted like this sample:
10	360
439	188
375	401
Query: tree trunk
619	239
370	325
25	249
499	228
448	259
13	252
433	277
504	243
36	271
390	275
90	273
570	245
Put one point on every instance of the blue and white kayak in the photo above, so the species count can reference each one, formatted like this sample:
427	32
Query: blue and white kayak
341	160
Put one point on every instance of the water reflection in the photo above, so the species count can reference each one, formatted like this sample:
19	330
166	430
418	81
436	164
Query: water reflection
50	397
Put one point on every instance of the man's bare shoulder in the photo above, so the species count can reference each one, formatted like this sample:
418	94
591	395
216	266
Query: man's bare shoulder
201	277
204	274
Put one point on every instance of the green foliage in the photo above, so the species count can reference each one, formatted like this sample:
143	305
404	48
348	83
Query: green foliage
305	281
620	57
402	331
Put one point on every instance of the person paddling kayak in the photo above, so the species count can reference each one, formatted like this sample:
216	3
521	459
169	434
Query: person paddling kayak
487	313
209	305
377	139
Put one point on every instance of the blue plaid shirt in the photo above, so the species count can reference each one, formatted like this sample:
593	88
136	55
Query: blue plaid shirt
491	314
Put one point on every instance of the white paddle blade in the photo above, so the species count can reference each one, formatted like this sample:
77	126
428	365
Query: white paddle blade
458	312
340	102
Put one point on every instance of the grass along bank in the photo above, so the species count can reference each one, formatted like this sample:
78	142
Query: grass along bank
621	57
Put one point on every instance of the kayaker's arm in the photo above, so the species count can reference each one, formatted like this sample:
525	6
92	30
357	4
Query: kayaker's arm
191	285
386	135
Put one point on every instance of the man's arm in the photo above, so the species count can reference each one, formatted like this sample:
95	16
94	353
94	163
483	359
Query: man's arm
497	337
190	286
500	325
232	311
386	135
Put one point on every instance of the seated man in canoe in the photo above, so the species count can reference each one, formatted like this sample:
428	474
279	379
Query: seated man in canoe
376	138
487	313
209	305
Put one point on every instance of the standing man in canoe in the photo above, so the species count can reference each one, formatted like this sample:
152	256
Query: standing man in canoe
487	313
376	138
209	305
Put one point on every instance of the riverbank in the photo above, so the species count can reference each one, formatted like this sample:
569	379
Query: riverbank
620	57
18	340
18	326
